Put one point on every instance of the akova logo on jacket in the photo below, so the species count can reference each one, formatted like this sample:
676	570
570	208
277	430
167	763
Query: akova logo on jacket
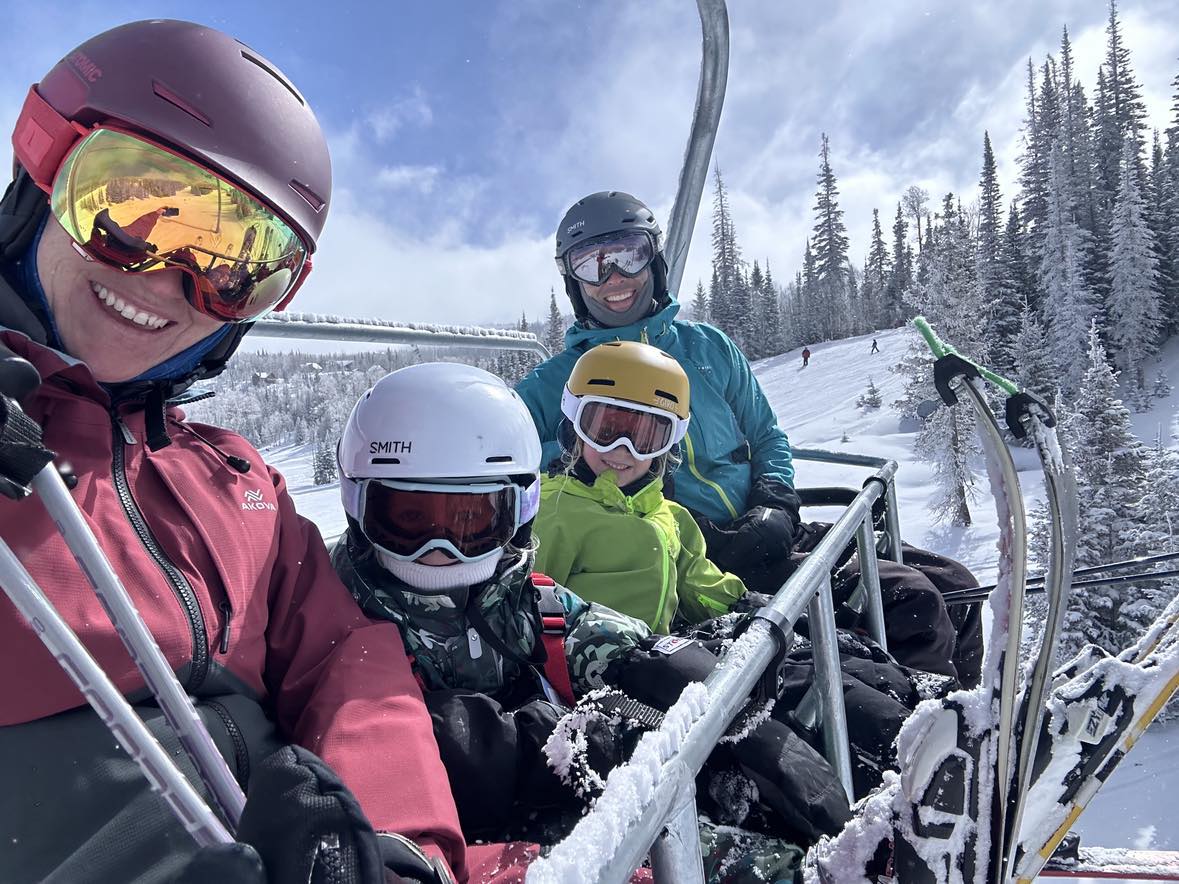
256	500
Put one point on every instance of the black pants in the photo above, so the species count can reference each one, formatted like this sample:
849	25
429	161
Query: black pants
922	632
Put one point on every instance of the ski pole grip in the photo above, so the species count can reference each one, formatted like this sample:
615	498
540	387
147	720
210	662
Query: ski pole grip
1025	405
948	367
22	456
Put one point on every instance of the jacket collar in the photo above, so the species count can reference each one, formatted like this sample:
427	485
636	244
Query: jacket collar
604	490
656	329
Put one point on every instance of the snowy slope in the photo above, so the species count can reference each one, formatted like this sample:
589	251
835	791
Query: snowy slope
816	407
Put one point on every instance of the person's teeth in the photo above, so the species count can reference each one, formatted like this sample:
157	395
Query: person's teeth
127	311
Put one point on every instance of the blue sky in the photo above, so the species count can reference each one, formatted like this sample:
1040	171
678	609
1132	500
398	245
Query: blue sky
460	131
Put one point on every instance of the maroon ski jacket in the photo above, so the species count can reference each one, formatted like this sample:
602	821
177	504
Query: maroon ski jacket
241	597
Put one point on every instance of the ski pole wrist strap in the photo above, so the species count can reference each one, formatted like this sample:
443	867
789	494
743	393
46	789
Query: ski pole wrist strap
22	455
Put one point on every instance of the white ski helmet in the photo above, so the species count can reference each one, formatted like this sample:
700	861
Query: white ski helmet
437	420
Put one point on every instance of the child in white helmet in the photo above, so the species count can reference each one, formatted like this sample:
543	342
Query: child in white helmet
439	467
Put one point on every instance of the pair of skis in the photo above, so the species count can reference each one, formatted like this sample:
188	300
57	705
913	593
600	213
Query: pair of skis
975	800
26	466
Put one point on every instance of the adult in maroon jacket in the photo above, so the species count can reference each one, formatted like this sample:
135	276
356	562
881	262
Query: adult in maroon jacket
236	587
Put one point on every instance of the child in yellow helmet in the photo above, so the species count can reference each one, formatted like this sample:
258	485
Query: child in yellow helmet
605	529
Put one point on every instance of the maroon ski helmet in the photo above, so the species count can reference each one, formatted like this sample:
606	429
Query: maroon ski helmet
204	94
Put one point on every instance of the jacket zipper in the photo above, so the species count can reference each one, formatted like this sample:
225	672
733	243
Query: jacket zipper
720	492
180	586
226	621
241	756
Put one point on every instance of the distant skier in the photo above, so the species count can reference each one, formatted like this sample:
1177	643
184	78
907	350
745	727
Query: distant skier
875	347
806	356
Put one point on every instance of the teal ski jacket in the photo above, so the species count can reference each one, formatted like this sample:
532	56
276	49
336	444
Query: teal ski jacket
733	438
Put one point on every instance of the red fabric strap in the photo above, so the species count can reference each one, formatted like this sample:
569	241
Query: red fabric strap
552	636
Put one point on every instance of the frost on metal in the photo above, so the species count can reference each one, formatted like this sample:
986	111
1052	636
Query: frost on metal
470	330
590	847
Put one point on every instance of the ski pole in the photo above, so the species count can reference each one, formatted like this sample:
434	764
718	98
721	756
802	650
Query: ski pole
114	710
141	644
980	594
27	465
977	593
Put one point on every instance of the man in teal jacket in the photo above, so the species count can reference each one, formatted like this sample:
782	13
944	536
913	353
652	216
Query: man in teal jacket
737	475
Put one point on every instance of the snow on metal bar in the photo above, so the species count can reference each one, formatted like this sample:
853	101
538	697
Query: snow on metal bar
329	327
1121	863
332	319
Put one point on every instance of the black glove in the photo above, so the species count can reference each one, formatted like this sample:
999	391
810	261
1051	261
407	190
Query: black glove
301	823
760	535
590	741
495	758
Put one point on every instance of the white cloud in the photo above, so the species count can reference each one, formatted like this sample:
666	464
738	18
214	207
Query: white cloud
366	268
411	110
419	178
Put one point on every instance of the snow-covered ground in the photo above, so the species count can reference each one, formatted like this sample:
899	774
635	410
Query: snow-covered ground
816	406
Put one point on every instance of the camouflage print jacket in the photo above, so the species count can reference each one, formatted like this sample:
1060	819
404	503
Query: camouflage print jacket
445	642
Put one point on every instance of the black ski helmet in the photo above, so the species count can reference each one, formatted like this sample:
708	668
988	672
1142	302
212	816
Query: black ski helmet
201	92
600	214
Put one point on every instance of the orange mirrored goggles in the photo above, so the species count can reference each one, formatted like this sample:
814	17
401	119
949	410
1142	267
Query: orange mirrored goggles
137	206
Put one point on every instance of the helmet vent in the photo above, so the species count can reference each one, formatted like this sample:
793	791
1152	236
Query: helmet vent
309	196
172	98
500	458
671	397
260	63
379	461
599	382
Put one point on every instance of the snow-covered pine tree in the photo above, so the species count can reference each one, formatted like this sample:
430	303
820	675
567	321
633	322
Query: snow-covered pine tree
949	298
700	303
1120	111
1034	171
876	271
554	332
995	287
870	398
1161	388
900	277
832	307
729	295
915	199
1110	467
1035	370
1068	306
1010	297
755	344
1134	315
1162	212
769	314
323	462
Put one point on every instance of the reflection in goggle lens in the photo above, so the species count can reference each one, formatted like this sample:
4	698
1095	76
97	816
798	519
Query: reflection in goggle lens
136	206
593	262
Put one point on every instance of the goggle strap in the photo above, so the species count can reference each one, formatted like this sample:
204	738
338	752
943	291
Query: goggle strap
42	138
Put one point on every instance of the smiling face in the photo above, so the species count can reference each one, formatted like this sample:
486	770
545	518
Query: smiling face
617	294
120	324
625	465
